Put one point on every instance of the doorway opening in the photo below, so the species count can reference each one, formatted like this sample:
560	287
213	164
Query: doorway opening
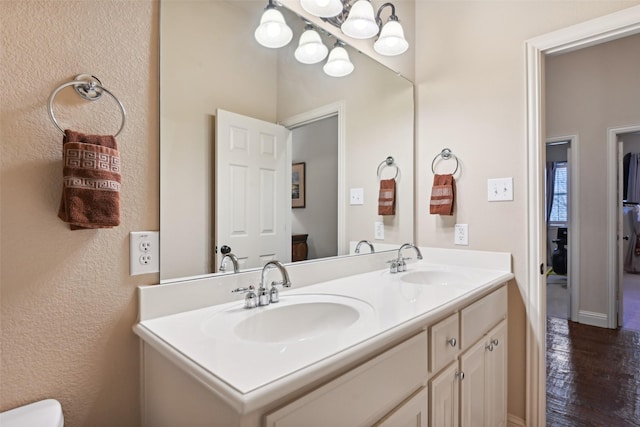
614	26
314	226
558	209
628	292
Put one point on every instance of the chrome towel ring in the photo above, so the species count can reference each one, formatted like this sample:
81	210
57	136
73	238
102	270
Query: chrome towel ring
389	161
446	154
90	88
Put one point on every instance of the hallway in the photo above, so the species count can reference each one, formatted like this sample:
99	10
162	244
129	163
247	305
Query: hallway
593	375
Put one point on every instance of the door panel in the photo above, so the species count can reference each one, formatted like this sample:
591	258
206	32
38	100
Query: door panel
253	196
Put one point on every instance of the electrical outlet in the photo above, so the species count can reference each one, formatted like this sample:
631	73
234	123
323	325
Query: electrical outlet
461	234
379	230
144	252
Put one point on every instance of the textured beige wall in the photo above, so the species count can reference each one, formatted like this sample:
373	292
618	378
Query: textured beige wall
68	302
470	76
587	92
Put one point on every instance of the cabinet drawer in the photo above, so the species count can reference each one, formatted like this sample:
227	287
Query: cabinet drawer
363	395
443	340
482	315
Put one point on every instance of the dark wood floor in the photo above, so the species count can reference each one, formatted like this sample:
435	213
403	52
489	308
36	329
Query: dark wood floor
593	375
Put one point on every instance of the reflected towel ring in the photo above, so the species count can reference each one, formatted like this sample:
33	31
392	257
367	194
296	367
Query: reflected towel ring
90	88
446	154
389	161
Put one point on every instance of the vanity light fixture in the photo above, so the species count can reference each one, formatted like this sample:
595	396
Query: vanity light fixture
322	8
391	40
338	64
310	49
360	23
357	20
273	32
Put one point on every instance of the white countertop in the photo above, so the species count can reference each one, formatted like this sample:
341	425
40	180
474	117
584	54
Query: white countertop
247	373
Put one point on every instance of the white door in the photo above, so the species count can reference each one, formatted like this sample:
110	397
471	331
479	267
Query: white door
620	234
253	190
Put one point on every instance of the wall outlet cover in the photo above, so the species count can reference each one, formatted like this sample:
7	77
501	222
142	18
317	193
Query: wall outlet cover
144	252
461	234
379	230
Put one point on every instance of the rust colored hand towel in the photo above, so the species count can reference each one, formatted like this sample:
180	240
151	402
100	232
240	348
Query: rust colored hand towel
442	195
387	197
91	181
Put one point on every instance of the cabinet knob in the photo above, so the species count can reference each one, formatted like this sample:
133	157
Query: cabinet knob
495	342
489	347
452	342
460	375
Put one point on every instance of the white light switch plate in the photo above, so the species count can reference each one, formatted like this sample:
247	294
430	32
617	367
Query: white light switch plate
500	189
357	196
144	252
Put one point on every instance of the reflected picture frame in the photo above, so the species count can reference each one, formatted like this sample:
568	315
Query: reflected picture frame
298	187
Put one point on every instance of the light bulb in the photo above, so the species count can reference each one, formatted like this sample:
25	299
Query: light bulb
360	23
391	41
310	49
273	31
322	8
338	64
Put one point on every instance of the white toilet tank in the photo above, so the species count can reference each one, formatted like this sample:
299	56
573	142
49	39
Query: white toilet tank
45	413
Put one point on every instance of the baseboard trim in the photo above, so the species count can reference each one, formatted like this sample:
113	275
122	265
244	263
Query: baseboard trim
513	421
592	318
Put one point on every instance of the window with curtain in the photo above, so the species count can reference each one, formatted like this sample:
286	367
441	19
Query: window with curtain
559	204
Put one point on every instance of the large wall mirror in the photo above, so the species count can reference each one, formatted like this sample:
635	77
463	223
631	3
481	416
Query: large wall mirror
339	129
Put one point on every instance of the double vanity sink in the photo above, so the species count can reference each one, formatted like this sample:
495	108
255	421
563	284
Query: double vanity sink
250	358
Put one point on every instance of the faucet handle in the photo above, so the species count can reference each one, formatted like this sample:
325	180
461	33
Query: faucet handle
393	268
248	289
251	299
280	283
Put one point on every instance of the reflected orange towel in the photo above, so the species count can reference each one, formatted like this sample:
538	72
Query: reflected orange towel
387	197
442	195
91	181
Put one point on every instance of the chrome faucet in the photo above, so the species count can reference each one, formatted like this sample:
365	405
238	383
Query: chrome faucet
366	242
262	296
399	265
234	260
266	297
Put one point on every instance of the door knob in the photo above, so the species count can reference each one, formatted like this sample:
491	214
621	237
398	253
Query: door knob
225	250
626	237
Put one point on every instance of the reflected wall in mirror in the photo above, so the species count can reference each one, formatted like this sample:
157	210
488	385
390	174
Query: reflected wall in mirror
210	60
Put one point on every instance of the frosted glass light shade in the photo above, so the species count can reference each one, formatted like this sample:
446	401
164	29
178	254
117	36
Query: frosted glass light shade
361	23
391	41
273	31
338	64
310	49
322	8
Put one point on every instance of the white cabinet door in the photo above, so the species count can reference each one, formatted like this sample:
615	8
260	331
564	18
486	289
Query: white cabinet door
412	413
496	370
444	398
483	400
472	386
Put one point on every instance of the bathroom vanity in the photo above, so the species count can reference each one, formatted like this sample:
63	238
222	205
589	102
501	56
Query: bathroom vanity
427	346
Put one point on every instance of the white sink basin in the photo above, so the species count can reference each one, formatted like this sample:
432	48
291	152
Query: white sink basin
436	277
295	318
